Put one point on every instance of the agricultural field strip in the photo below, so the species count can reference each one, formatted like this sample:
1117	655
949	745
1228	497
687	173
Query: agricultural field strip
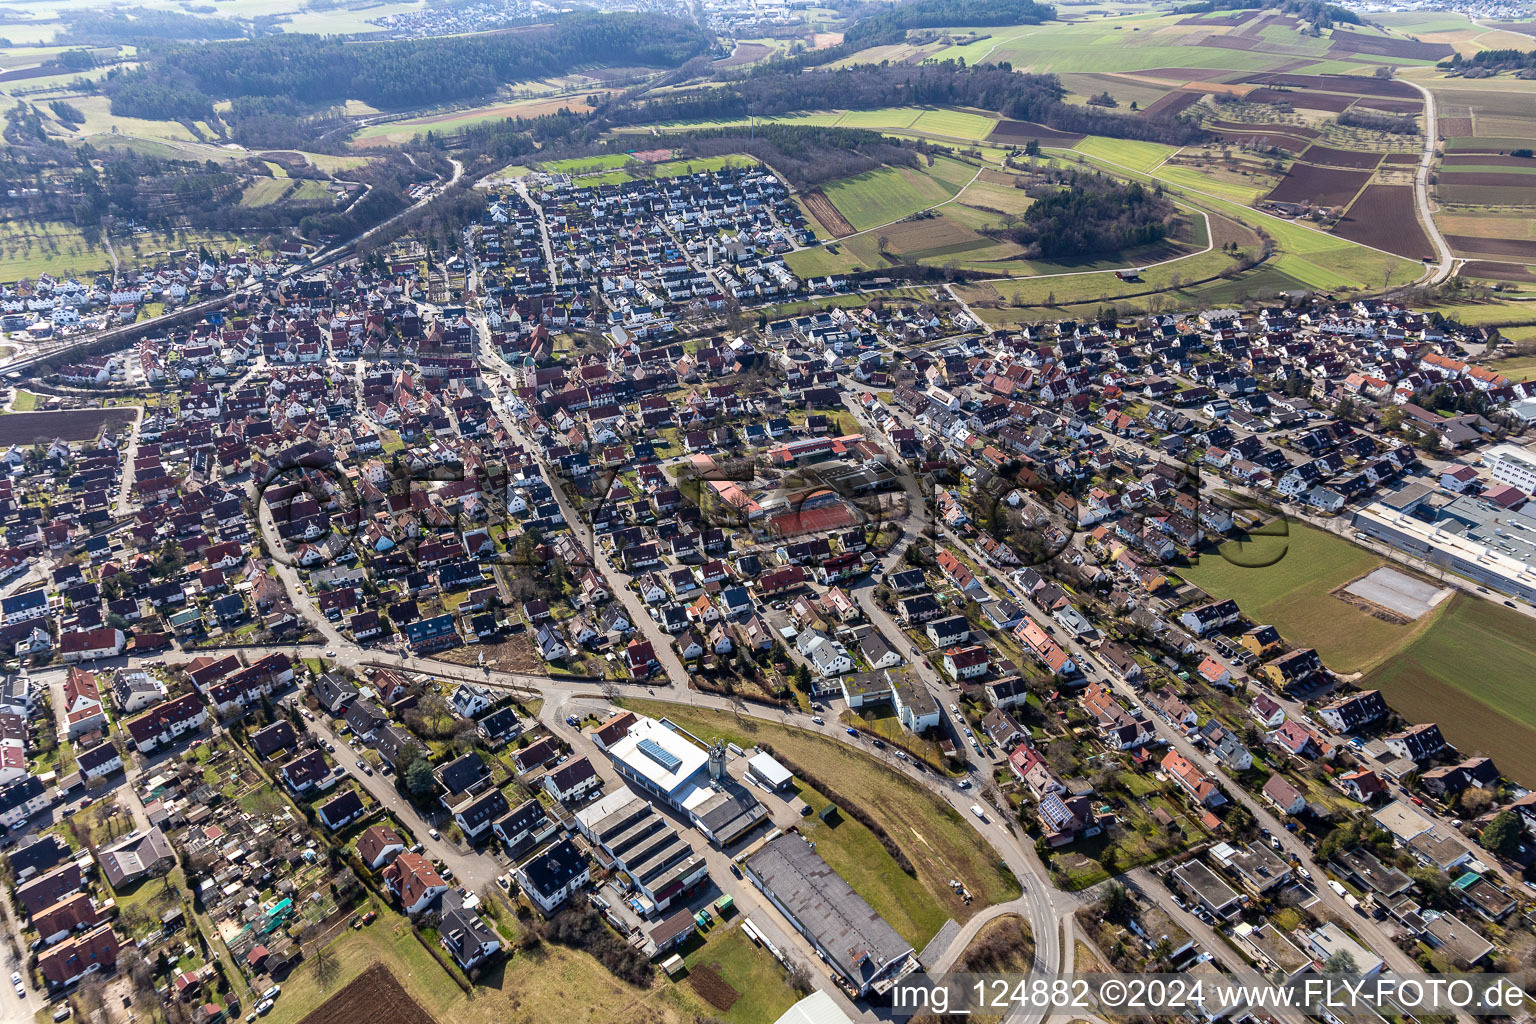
1234	208
1209	245
898	220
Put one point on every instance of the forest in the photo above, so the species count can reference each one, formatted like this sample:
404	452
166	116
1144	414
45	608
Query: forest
132	24
1323	15
175	82
1092	215
891	25
993	87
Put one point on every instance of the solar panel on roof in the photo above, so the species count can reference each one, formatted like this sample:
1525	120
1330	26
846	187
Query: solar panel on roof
655	751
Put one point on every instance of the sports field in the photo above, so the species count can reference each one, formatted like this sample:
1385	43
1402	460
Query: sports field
1471	673
1285	579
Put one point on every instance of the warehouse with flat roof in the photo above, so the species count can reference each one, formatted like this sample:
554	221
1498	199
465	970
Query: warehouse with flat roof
645	846
1470	536
845	929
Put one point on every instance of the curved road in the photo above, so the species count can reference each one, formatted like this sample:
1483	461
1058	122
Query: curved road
1447	262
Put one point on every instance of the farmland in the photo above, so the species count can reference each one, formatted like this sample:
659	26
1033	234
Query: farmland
373	994
73	425
393	133
1287	579
940	844
1319	186
1384	218
1138	156
1470	672
890	193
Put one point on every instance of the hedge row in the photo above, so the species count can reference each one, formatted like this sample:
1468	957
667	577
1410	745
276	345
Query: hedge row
853	810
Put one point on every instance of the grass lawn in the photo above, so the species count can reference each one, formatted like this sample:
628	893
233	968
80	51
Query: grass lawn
264	191
855	853
1286	579
1515	368
933	835
1139	156
1008	938
587	164
891	193
1470	672
820	261
667	169
25	401
746	967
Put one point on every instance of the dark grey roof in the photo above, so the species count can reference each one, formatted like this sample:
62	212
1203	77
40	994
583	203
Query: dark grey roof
491	804
462	773
463	931
275	737
859	941
345	807
499	722
555	867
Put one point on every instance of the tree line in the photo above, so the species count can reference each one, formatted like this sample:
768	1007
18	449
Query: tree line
1493	60
1394	124
806	155
995	87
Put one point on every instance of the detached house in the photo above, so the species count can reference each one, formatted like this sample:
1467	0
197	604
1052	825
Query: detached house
414	882
1192	780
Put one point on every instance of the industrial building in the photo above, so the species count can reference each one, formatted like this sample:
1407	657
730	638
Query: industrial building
660	761
1488	544
846	931
766	771
1512	464
661	866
